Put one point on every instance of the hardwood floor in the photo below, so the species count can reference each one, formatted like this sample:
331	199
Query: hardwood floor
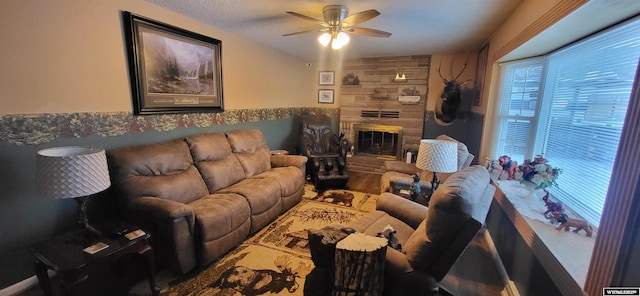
364	182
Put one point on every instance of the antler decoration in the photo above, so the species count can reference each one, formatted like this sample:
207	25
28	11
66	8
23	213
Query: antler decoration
446	109
466	62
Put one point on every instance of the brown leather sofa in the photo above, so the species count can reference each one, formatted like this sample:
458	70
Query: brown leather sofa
202	195
432	238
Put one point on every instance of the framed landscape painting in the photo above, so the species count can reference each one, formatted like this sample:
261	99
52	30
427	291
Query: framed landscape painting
172	70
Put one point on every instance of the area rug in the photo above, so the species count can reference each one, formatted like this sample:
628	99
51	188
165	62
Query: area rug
351	199
276	260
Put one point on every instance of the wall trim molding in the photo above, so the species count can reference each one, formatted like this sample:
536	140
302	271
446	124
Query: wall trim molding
35	129
614	244
556	13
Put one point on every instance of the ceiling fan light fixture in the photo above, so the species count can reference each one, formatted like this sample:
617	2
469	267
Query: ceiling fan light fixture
340	41
337	22
324	39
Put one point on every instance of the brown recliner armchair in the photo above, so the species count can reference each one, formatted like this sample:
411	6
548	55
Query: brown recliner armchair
433	238
326	152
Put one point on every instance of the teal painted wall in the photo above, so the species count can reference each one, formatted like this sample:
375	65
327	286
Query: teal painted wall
28	218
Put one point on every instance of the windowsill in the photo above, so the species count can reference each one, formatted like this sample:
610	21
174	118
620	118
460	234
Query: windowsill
565	255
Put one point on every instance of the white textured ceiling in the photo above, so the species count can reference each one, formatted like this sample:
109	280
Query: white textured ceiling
418	26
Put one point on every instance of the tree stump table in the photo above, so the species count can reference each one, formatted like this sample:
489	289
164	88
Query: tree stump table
359	265
322	243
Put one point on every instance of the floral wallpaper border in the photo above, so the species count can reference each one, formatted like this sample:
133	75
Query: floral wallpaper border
35	129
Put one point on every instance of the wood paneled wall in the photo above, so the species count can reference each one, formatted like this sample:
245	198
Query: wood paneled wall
377	91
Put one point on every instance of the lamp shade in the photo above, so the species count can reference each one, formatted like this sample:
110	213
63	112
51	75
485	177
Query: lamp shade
437	156
71	172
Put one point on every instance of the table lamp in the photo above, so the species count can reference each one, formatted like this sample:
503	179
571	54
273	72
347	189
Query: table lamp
438	156
72	172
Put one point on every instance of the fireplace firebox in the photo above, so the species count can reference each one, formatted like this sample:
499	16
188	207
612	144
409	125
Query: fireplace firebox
383	141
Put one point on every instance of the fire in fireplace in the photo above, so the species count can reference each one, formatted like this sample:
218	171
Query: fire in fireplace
379	140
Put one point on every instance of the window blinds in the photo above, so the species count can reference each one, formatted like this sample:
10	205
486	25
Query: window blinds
570	107
586	93
518	105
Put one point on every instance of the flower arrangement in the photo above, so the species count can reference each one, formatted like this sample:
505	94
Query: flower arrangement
538	172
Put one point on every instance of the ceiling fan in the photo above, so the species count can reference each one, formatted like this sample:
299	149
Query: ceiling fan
337	22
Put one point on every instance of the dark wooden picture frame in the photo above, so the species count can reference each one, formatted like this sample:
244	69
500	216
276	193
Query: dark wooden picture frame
172	70
325	96
481	69
326	78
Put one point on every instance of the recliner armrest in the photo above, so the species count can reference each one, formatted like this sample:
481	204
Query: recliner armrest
400	166
160	209
401	208
298	161
172	229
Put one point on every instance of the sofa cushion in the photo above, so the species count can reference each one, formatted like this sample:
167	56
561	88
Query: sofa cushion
374	222
163	170
450	208
252	151
220	214
262	194
213	158
290	179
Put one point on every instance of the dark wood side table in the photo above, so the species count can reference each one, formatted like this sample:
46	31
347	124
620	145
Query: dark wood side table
397	187
64	254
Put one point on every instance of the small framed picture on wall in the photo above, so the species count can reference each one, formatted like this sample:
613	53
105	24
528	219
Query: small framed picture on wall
325	96
325	78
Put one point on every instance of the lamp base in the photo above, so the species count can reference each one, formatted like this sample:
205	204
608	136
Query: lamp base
434	182
82	216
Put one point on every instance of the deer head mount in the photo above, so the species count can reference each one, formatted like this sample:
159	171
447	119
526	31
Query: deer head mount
446	109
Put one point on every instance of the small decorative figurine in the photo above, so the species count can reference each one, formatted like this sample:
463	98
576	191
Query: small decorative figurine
490	165
415	186
579	224
390	234
552	208
509	166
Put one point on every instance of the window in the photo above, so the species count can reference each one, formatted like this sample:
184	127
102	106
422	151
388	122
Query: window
570	106
518	108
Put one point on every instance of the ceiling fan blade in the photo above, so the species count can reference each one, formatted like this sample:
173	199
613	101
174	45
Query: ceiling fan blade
306	31
308	18
368	32
360	17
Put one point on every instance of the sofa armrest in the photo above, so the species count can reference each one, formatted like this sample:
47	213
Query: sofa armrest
172	229
400	166
401	208
158	209
298	161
